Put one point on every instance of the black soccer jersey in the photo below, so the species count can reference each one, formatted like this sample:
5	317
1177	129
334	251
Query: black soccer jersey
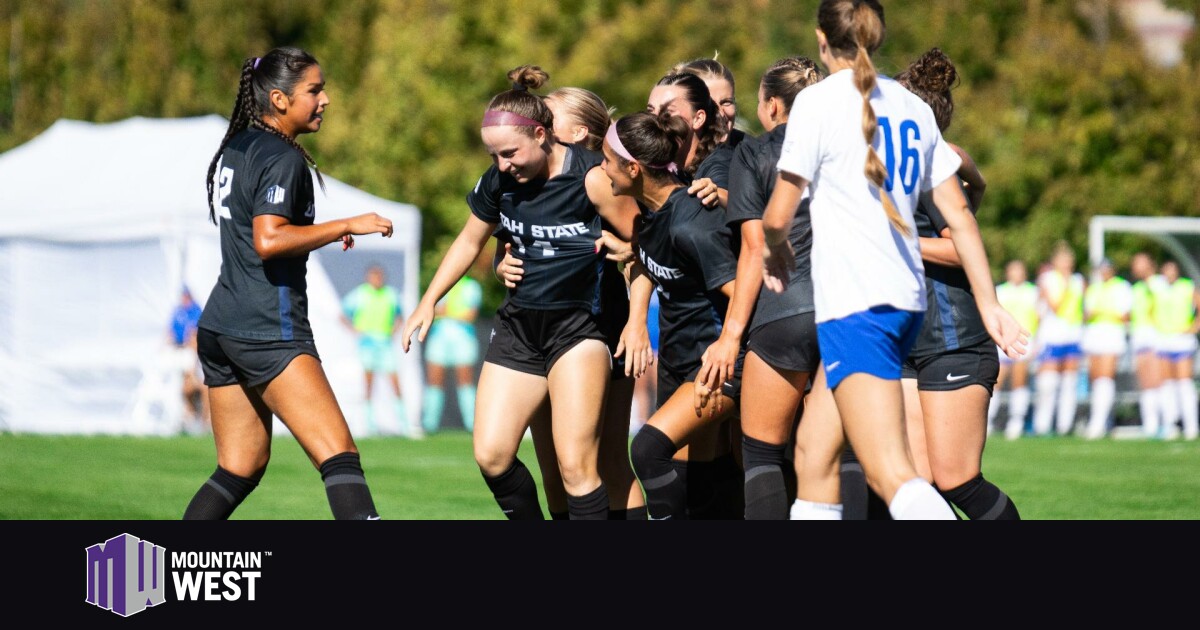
686	249
553	228
714	167
255	298
952	320
751	181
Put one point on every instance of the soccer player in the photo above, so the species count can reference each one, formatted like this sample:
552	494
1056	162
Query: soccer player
452	344
1175	317
372	310
255	342
1060	289
868	282
782	337
719	80
549	198
685	250
1143	337
952	367
1106	307
1020	297
581	117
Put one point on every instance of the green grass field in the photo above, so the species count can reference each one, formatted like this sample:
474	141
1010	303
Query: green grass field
126	478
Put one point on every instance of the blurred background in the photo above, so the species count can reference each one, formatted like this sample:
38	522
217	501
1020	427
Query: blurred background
1072	109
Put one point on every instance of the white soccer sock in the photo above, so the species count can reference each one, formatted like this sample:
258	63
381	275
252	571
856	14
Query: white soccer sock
1188	410
993	407
1148	409
1104	391
1018	408
1168	397
1068	402
1047	393
810	511
916	500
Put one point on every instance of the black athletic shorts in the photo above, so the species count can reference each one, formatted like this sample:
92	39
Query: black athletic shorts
974	365
788	344
531	341
230	360
670	380
612	329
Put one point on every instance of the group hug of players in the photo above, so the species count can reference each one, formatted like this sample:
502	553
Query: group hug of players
828	323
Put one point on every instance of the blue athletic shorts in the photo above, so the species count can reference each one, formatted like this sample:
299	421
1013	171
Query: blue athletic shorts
377	354
1060	352
875	342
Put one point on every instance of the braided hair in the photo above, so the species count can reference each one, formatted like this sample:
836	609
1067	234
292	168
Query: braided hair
281	69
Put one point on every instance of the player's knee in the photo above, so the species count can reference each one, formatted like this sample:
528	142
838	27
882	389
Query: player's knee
248	465
492	461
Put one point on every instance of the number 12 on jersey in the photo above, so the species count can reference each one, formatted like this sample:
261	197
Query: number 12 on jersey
910	157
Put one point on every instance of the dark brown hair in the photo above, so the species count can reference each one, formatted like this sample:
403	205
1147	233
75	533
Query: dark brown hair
697	94
786	77
653	140
931	77
281	69
521	101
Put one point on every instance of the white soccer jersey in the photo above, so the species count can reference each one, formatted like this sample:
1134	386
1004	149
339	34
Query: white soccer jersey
858	259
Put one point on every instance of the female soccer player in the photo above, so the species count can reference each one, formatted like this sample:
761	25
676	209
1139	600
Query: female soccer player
782	354
719	80
1106	306
255	343
952	367
1018	296
549	197
867	277
703	159
1175	316
1143	337
581	117
685	248
1059	334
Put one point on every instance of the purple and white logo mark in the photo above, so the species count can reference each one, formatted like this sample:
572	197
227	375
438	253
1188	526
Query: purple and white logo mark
126	575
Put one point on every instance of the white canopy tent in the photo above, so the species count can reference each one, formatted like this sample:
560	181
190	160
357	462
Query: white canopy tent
101	226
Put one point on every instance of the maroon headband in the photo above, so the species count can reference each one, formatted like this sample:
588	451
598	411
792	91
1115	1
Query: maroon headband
497	118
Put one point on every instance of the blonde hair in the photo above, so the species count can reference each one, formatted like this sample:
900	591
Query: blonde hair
587	110
855	28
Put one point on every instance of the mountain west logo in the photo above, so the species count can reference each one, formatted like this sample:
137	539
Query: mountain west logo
276	194
126	575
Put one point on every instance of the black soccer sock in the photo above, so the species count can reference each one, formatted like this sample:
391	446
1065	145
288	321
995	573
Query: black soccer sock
630	514
729	487
219	496
516	493
854	487
666	492
592	506
346	488
981	500
766	491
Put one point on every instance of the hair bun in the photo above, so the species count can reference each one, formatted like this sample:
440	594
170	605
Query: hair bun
529	77
934	72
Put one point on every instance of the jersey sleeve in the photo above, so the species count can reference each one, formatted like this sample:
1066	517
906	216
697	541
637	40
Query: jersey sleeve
707	249
716	167
484	199
935	215
801	153
747	199
942	162
281	187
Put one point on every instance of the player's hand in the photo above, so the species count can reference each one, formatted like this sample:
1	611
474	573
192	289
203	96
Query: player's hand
705	189
510	269
779	261
420	319
717	366
370	223
635	345
347	242
618	250
1012	339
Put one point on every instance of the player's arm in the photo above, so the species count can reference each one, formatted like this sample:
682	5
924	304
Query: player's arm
635	337
619	211
458	259
276	237
971	176
778	258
